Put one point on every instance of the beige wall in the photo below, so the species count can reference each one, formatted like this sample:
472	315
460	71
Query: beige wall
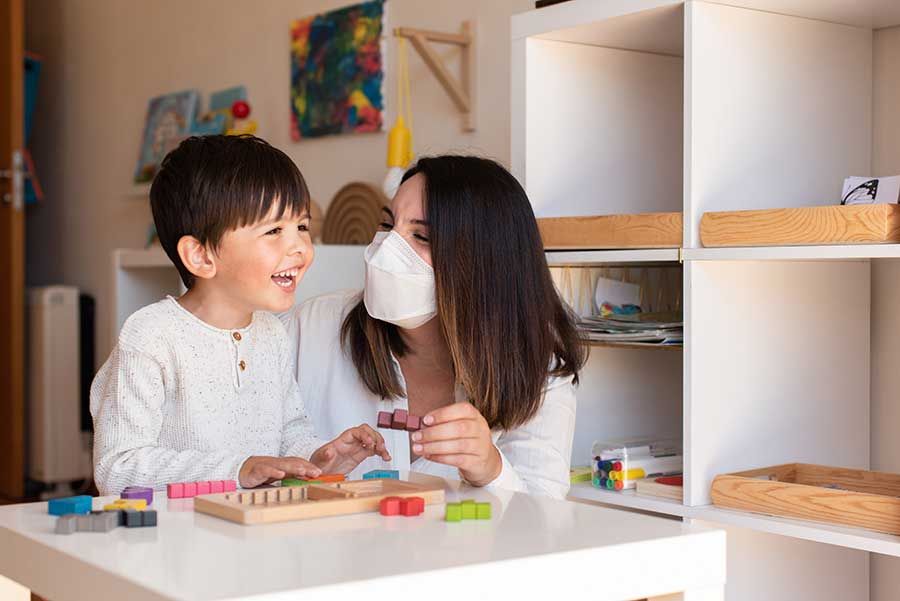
885	416
106	58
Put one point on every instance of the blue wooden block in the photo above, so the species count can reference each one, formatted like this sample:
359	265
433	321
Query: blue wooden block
391	474
80	504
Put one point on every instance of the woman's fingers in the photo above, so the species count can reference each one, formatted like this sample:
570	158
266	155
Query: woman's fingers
461	428
299	467
451	412
465	446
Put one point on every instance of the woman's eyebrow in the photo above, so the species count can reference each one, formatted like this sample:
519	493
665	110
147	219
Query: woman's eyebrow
419	222
388	212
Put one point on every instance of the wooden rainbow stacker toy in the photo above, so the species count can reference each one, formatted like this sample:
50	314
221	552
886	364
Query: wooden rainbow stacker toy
290	503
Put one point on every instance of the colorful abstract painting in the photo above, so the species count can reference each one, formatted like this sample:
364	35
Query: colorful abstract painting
336	72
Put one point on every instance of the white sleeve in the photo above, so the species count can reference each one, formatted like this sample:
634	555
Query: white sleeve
127	399
536	455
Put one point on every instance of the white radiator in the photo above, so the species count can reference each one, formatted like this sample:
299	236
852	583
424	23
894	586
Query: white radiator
57	449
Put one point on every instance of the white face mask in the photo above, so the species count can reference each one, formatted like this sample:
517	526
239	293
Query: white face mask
399	283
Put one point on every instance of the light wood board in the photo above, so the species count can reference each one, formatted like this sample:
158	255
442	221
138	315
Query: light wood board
290	503
651	488
849	224
647	230
814	492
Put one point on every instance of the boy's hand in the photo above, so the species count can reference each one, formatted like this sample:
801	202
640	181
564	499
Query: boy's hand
261	470
346	451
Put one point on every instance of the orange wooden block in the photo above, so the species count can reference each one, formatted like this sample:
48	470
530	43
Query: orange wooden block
331	478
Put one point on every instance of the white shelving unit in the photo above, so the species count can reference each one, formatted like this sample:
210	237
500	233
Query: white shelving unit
634	106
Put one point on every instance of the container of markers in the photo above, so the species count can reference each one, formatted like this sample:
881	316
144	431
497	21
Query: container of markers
618	465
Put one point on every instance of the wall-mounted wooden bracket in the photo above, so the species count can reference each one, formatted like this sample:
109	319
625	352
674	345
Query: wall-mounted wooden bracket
461	91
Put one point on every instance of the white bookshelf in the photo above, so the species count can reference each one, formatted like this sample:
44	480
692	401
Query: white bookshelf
634	106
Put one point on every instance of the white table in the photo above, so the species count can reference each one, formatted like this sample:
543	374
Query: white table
533	548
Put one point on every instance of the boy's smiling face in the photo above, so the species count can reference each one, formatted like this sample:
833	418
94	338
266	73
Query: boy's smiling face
258	266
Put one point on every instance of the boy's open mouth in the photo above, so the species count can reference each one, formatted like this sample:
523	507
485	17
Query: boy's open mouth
286	278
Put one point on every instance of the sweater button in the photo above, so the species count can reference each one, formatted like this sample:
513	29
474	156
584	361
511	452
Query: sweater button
236	336
242	364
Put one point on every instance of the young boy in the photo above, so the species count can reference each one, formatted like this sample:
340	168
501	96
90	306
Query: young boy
200	387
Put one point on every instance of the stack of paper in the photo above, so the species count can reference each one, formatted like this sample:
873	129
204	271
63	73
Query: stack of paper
651	329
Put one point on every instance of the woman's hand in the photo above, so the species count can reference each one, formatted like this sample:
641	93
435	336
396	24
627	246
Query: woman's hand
261	469
458	435
346	451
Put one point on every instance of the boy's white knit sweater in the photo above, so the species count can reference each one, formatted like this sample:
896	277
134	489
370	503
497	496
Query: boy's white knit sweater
179	400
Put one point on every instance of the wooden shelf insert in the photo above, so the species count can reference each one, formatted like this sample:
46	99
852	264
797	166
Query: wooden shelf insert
849	224
648	230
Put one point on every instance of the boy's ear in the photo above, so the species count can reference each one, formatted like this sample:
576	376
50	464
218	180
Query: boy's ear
196	257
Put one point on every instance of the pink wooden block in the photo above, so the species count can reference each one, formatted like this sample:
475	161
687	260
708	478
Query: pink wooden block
175	491
229	485
399	421
413	423
216	486
203	488
190	490
384	419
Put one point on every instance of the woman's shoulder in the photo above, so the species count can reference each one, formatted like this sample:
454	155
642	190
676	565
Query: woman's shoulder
325	311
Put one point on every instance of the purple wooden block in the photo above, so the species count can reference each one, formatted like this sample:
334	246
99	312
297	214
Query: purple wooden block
138	492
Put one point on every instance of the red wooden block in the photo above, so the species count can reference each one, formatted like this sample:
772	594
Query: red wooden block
413	423
175	491
190	490
399	421
412	506
390	506
216	486
203	488
385	419
229	486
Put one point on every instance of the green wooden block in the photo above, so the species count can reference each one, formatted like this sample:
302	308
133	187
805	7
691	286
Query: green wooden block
468	509
483	511
298	482
454	512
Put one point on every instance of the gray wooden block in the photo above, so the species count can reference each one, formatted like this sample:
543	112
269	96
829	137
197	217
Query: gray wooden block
148	517
132	518
83	523
104	521
66	524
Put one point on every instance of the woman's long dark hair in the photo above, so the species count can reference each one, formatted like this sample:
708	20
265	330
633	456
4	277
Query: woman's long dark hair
501	316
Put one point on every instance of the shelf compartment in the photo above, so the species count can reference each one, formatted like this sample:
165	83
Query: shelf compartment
584	491
641	231
847	224
849	497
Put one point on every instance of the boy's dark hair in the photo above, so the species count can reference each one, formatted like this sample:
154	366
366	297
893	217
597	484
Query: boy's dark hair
212	184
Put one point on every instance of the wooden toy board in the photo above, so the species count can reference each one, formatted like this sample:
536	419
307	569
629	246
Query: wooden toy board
290	503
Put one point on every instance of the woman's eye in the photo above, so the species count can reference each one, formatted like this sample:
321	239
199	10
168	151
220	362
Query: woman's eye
274	231
384	225
420	238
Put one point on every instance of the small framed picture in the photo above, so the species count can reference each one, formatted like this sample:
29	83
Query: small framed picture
871	190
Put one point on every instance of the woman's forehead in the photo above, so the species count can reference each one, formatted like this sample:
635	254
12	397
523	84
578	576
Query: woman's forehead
408	203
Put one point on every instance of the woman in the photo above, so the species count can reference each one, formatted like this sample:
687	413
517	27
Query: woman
458	306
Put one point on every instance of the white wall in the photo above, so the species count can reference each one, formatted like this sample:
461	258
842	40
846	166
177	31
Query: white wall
105	59
885	571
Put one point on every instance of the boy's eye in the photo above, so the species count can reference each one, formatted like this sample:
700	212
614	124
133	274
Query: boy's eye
303	227
274	231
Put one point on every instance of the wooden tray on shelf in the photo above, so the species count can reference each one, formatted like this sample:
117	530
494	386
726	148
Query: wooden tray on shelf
848	224
600	232
289	503
843	496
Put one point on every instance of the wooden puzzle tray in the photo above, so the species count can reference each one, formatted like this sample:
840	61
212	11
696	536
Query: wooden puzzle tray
815	492
289	503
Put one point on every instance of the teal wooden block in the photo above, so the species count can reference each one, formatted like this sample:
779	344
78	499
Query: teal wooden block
81	504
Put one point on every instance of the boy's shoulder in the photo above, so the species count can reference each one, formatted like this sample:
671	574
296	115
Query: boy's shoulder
150	325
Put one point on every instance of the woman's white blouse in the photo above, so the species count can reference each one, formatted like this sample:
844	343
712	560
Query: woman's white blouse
535	455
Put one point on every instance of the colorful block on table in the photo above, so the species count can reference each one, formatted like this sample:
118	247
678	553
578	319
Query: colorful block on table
331	478
468	509
392	474
412	506
203	488
453	512
483	511
119	504
216	486
389	506
190	490
132	518
175	490
80	504
138	492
